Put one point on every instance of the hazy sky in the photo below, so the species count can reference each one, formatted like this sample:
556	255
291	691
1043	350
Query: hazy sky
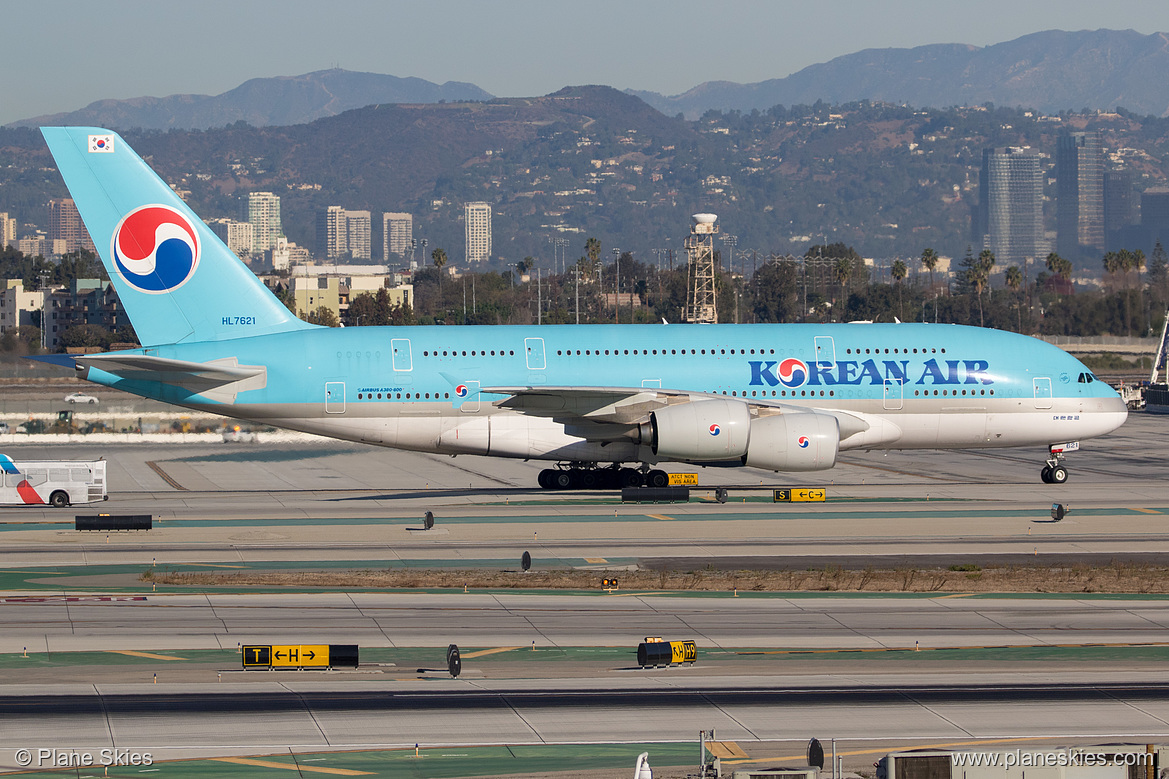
60	55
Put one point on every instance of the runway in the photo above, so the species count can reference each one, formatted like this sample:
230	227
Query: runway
310	716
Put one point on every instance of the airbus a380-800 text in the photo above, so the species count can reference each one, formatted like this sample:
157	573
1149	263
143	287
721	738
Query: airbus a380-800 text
604	404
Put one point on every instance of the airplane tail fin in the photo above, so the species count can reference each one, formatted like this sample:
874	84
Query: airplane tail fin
175	277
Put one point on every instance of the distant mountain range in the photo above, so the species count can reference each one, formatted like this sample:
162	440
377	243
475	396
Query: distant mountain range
262	102
1050	71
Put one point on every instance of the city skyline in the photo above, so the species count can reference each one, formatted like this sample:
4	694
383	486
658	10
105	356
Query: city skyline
638	46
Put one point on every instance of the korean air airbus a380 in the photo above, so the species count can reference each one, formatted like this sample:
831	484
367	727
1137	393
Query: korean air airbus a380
605	403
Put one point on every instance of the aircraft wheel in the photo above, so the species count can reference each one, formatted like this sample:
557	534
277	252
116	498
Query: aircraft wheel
1059	474
563	480
657	479
588	479
1045	474
545	478
608	479
630	477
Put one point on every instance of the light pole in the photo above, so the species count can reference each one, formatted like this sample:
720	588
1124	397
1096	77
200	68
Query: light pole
563	244
576	276
616	285
44	310
731	241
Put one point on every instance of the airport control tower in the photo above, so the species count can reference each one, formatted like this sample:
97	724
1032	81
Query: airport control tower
701	298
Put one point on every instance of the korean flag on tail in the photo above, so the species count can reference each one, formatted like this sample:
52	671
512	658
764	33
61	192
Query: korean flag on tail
101	143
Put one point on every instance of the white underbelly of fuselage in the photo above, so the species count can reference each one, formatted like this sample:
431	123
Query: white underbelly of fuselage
490	431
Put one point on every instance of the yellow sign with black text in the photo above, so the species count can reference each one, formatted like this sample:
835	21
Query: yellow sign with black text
683	479
683	652
257	656
287	656
300	656
800	495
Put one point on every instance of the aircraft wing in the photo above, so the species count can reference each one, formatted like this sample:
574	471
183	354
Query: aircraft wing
632	405
217	379
614	405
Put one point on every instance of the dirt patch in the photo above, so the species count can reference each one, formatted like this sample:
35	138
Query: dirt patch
1116	578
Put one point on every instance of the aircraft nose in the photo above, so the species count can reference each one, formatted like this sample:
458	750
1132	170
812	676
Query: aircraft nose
1114	411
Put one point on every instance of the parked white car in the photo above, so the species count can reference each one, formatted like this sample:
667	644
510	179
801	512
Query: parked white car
80	397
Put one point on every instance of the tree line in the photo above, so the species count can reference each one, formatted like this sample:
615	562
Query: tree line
828	283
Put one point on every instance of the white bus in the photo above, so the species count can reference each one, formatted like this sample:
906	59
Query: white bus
58	483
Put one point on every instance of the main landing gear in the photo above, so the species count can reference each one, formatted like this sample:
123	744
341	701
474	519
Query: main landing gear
1055	472
587	476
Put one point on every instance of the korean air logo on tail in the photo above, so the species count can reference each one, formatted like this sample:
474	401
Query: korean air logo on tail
792	372
803	442
461	390
715	429
155	249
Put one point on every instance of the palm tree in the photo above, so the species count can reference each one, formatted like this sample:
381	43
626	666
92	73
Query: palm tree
1113	264
979	277
929	260
841	272
899	272
593	250
1014	279
1059	266
439	258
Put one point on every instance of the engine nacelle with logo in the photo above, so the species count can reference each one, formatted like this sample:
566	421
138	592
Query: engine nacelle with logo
705	430
794	442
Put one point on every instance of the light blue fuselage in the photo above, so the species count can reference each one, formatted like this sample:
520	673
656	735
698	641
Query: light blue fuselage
941	386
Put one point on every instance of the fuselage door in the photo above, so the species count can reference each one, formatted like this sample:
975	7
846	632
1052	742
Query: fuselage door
334	397
894	394
401	349
825	349
1042	392
534	350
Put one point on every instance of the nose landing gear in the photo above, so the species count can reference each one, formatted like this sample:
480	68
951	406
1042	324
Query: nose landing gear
1055	472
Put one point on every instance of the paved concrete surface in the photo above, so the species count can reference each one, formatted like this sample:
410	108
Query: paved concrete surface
372	619
327	501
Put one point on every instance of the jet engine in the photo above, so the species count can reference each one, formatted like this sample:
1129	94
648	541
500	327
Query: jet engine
794	442
705	430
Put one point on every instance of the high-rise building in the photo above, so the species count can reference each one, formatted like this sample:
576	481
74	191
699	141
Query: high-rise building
343	233
478	227
357	228
264	214
1121	207
65	225
1079	206
7	230
237	235
397	234
1155	208
1010	206
332	233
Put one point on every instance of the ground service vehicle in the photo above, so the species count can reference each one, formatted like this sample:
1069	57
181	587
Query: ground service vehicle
58	483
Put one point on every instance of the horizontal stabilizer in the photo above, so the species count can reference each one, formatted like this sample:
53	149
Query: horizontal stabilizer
218	379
